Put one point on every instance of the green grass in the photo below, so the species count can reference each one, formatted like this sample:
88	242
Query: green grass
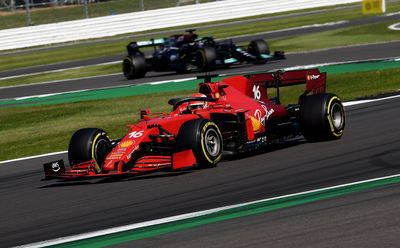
42	129
8	62
96	70
364	34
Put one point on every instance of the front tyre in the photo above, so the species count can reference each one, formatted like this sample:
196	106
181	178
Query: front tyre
204	138
89	144
258	48
322	117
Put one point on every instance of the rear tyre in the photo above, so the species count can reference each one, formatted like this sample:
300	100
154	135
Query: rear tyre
322	117
206	57
134	66
89	144
258	47
205	140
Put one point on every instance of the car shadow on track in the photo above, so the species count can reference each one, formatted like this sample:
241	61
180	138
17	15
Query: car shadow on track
222	71
162	174
112	179
267	149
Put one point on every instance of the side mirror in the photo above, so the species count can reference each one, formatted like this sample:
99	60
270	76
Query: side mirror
143	113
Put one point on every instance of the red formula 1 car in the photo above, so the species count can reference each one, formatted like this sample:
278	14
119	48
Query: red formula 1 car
228	117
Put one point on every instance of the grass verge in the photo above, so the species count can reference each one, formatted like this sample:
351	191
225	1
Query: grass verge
96	70
42	129
9	62
370	33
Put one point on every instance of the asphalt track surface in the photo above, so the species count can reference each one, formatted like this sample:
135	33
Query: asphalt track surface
351	53
34	210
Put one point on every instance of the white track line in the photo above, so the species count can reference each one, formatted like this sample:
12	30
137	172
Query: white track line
101	88
183	216
341	63
327	24
351	103
59	70
32	157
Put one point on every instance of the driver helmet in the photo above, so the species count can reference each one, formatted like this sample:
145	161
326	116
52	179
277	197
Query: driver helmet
197	104
186	38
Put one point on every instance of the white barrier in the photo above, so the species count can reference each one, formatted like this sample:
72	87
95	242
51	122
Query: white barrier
147	20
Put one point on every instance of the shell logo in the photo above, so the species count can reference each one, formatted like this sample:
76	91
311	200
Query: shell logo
256	124
127	143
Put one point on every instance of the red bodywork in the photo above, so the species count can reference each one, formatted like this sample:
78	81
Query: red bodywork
243	99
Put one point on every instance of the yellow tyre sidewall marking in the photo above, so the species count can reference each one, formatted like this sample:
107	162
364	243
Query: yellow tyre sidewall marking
202	142
98	169
131	62
337	134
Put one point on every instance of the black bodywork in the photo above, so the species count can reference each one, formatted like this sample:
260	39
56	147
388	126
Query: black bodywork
188	52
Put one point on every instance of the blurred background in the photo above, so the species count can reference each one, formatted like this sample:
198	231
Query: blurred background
19	13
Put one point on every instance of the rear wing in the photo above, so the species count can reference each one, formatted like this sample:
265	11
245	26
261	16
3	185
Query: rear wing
134	46
314	80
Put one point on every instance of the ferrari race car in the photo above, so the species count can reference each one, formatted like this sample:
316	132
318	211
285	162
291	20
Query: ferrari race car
188	52
228	117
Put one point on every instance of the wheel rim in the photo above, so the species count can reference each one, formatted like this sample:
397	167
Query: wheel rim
101	150
337	116
212	142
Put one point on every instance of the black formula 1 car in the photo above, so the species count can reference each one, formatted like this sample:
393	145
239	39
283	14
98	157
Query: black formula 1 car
188	52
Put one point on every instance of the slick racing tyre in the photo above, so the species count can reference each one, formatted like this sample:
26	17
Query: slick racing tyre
258	47
205	140
206	57
89	144
134	66
322	117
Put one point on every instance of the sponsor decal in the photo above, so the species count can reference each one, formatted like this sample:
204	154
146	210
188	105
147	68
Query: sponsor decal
116	155
135	134
255	124
135	149
55	167
312	77
108	164
229	61
262	139
262	117
256	92
127	143
121	150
